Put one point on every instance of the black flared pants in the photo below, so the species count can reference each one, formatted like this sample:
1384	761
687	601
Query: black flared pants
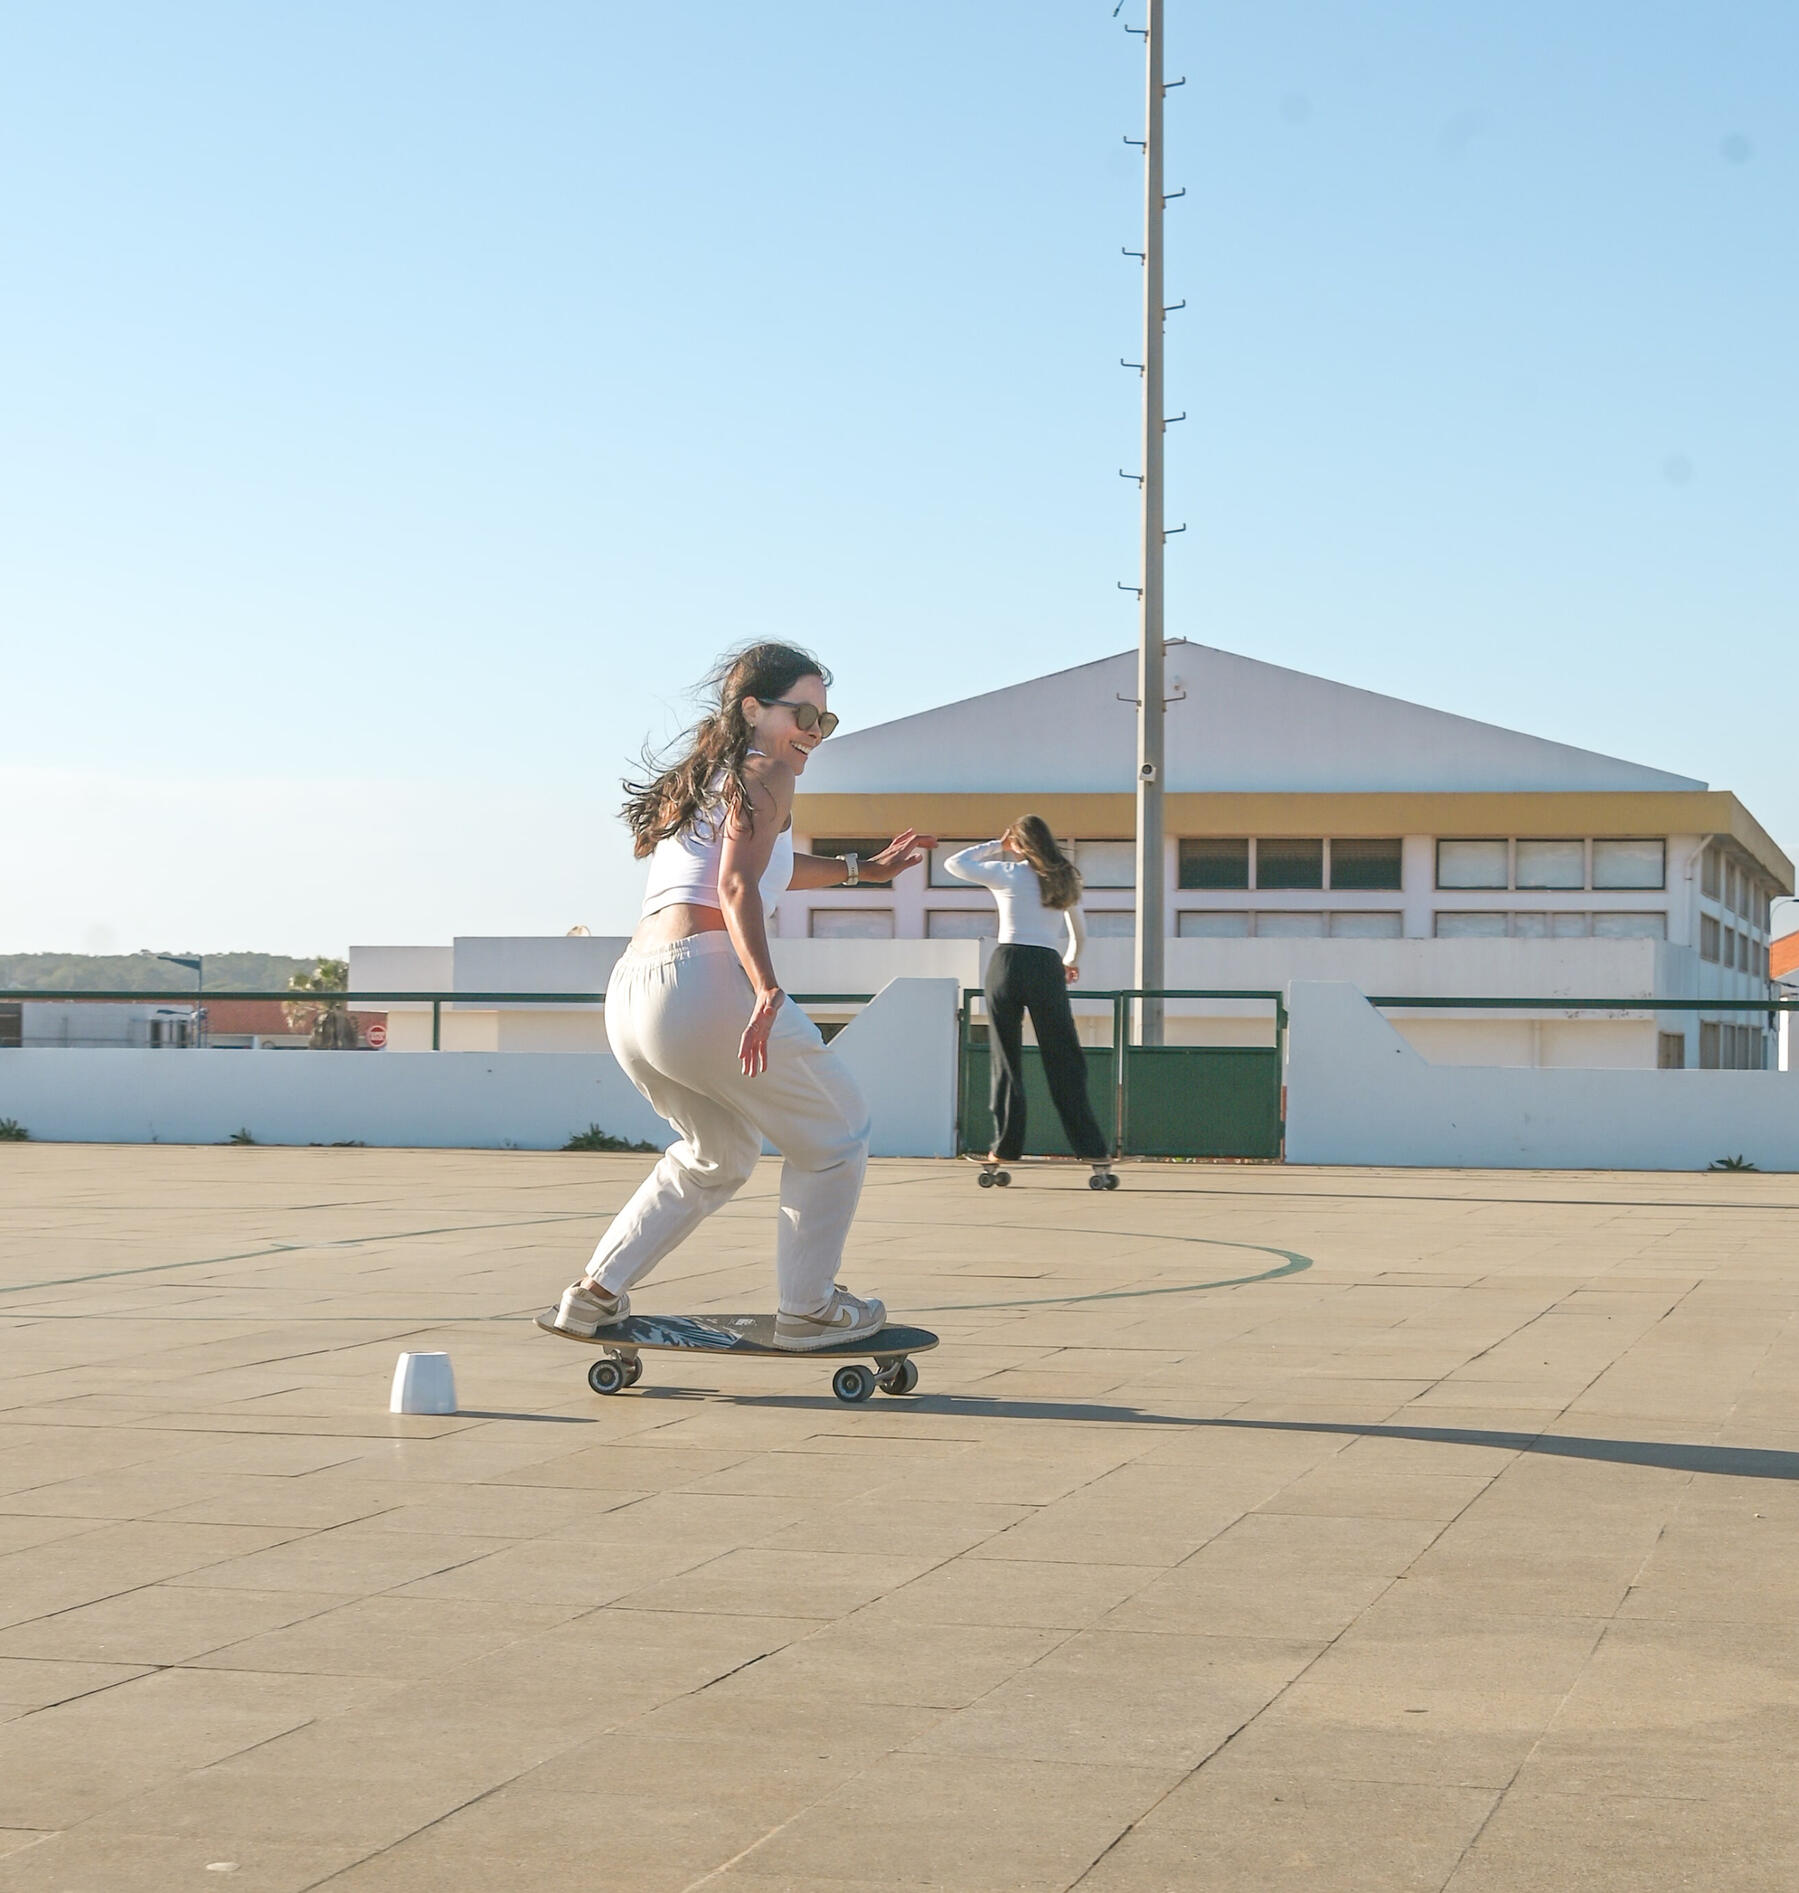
1023	979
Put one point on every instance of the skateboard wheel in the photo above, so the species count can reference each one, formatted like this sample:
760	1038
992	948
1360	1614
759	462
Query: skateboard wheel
852	1384
900	1378
607	1377
633	1366
986	1180
1002	1177
1111	1179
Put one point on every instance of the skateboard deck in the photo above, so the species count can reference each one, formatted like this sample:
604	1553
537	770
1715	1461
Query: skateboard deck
747	1337
1102	1177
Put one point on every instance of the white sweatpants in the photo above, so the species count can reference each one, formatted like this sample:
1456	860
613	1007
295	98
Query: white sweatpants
674	1016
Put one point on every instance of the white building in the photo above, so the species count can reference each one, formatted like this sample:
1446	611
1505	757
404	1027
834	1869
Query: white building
1322	832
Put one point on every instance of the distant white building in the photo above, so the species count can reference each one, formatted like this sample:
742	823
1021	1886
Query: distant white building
1320	831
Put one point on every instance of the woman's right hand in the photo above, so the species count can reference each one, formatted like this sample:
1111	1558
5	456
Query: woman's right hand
752	1051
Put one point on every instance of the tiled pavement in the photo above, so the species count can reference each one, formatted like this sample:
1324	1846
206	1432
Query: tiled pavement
1252	1529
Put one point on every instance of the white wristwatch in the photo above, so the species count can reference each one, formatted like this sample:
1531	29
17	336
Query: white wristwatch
852	876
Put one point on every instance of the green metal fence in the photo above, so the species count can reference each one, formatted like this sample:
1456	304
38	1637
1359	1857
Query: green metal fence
310	1000
1159	1100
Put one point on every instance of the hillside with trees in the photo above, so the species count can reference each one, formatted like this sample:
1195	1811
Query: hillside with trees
144	972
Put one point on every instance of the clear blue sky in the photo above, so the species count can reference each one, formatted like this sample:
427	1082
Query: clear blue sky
404	402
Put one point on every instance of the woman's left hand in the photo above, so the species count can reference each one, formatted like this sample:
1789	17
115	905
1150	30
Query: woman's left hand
1071	973
902	852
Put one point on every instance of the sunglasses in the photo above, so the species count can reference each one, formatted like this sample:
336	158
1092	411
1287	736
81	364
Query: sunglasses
807	717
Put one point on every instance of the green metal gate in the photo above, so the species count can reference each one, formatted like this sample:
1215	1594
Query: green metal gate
1159	1101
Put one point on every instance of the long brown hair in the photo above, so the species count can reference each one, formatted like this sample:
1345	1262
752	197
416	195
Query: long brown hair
1057	876
680	786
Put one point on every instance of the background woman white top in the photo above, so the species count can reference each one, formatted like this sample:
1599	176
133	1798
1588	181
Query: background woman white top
1038	892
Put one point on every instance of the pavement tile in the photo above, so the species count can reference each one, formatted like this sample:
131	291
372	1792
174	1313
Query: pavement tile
1542	1843
1464	1555
1319	1833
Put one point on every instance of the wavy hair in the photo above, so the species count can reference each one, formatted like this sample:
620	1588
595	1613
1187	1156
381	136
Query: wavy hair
705	767
1057	876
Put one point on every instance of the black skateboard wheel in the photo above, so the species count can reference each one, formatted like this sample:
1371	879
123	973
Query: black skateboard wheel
606	1376
1111	1180
633	1366
900	1378
852	1384
1002	1177
986	1179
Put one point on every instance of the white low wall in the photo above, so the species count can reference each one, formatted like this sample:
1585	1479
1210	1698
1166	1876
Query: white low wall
1357	1093
902	1050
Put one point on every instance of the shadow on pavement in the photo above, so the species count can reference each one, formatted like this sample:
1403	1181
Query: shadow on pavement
1735	1462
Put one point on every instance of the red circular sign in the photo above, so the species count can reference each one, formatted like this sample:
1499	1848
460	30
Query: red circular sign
377	1036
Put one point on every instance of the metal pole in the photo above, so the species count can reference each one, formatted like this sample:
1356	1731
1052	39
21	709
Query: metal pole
1149	959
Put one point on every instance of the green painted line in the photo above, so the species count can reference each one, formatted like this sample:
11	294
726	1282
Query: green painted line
1294	1264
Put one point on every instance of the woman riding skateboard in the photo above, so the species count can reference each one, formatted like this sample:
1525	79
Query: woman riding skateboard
1038	891
699	1023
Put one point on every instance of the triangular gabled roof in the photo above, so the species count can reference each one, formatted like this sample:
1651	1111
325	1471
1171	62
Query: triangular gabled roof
1241	725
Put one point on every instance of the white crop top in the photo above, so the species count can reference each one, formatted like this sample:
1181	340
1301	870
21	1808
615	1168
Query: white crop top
684	867
1023	918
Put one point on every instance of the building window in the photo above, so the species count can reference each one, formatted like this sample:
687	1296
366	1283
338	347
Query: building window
1206	862
852	923
1552	864
1709	932
940	876
1300	925
1530	926
1670	1051
1199	924
1106	863
1733	888
1289	864
862	846
1471	926
1374	865
1730	947
12	1024
1710	874
961	923
1755	958
1472	864
1708	1046
1111	923
1630	926
1374	926
1631	864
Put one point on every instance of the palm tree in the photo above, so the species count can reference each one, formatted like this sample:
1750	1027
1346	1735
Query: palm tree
327	1022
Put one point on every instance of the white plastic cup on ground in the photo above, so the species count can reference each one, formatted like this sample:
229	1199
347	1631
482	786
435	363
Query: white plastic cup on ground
423	1383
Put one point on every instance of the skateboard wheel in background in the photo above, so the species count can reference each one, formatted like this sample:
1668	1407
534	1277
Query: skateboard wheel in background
1111	1179
852	1384
1002	1177
633	1365
607	1377
900	1378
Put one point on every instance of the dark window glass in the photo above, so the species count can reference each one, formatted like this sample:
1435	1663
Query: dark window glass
1210	863
1289	864
836	846
1364	864
12	1024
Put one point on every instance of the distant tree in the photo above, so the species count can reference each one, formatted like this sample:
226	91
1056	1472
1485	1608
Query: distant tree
326	1022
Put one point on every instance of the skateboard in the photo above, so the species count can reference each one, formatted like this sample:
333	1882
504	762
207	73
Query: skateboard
996	1176
748	1337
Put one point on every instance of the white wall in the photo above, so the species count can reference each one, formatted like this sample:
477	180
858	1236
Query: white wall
901	1050
1357	1093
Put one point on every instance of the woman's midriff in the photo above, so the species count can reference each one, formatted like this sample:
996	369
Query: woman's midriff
679	922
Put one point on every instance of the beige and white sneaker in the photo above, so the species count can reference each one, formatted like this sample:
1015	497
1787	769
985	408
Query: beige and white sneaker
845	1317
586	1308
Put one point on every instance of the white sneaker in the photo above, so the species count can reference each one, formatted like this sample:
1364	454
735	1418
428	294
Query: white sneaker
843	1318
583	1311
